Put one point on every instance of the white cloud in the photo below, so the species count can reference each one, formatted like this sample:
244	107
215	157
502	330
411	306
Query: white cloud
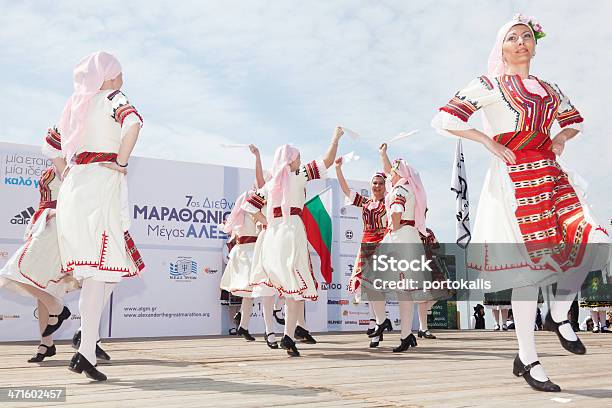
205	73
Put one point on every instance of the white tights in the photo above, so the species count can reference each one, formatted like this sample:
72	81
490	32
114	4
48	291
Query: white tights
94	295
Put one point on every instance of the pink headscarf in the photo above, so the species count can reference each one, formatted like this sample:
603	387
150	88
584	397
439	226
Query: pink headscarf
88	76
235	219
411	179
279	184
496	66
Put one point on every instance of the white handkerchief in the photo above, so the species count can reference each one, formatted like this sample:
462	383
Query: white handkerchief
349	157
352	134
233	145
403	135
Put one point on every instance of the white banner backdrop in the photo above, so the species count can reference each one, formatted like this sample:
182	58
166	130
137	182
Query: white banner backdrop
176	210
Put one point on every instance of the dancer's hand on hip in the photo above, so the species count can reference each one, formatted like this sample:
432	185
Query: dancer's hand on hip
114	166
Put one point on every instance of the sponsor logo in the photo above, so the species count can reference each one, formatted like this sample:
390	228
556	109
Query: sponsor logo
348	234
199	219
331	286
353	313
23	217
350	322
210	271
8	317
184	269
365	322
337	302
350	269
334	322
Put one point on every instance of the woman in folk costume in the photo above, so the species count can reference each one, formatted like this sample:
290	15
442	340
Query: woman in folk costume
374	216
99	130
35	269
283	262
596	295
238	272
406	204
529	204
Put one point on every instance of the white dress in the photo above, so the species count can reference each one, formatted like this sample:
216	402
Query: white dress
404	243
528	210
37	262
238	273
282	260
92	209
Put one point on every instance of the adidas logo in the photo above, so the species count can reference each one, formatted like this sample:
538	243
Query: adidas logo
23	217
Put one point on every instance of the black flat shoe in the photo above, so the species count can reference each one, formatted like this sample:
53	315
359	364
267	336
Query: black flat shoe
575	347
374	344
425	334
279	320
49	352
76	343
78	364
370	331
521	370
273	344
304	336
245	333
237	318
51	328
289	345
409	341
381	328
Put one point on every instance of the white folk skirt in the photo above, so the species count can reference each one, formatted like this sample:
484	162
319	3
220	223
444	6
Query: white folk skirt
92	223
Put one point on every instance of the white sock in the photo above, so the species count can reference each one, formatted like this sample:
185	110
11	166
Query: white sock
91	304
423	307
245	312
301	314
378	307
524	312
372	322
406	309
267	303
291	314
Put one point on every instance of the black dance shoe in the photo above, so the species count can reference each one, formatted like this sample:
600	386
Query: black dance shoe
76	343
279	320
521	370
237	318
304	336
289	345
370	331
381	328
52	328
426	334
409	341
374	344
271	344
245	333
575	347
49	352
78	364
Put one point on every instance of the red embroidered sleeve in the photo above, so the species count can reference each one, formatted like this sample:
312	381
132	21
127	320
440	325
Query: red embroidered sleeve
359	200
312	171
470	99
121	107
53	138
256	200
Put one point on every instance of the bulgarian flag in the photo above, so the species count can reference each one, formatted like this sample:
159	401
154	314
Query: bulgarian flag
317	220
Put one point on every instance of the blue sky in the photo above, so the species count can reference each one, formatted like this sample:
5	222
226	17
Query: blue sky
206	73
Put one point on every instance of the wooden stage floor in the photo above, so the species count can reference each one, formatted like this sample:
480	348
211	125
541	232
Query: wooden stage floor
459	369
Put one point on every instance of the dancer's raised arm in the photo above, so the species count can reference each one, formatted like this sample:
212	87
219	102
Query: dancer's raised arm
330	155
385	158
341	180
